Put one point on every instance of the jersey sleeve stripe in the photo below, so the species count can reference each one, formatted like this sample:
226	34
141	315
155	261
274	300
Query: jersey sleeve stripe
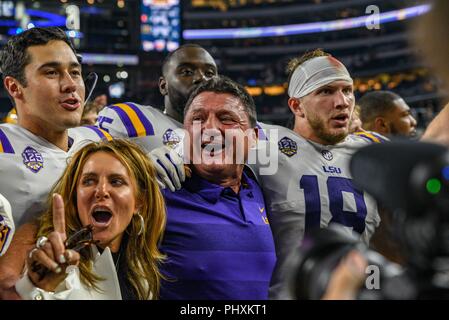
101	133
380	137
125	120
262	135
368	136
5	145
137	125
144	120
106	134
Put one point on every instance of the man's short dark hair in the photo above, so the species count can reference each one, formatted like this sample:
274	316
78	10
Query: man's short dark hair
14	56
222	84
375	104
172	53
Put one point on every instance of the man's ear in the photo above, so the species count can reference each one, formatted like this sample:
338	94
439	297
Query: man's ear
13	87
253	137
296	107
163	86
381	126
256	133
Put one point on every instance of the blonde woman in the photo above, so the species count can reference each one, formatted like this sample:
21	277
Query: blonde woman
111	187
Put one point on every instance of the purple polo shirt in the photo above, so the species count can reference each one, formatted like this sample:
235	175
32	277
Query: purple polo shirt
218	243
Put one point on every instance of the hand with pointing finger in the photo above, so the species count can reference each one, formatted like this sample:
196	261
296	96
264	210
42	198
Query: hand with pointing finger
48	260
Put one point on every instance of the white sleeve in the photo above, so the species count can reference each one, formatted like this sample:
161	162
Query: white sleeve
6	224
67	289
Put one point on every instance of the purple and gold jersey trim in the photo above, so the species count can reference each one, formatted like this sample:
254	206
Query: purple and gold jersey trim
262	135
370	136
5	145
101	133
136	124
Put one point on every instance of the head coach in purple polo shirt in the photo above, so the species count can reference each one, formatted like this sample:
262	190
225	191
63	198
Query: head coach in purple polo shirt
217	240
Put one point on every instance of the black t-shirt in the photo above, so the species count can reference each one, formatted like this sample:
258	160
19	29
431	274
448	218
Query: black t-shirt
126	289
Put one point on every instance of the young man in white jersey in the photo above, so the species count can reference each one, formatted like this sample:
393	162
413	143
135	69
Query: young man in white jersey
312	187
42	74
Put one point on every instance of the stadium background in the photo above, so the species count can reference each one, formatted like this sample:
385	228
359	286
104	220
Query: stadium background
125	41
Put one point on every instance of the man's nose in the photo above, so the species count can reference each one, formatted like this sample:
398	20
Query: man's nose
413	121
68	84
199	77
342	100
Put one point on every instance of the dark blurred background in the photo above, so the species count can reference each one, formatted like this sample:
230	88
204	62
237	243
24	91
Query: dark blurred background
125	41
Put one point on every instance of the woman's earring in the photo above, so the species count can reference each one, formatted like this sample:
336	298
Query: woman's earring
142	224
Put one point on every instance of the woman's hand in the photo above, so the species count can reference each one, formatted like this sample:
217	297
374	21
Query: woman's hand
52	254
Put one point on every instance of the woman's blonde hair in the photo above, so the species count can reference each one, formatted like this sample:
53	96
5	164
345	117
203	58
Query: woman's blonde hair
142	254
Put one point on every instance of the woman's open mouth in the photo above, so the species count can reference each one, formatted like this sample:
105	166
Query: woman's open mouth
101	217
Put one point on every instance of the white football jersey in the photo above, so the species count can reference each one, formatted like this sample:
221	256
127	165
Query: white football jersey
146	126
30	165
312	188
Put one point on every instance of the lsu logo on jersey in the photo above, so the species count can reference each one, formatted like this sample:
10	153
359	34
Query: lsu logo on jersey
32	159
287	146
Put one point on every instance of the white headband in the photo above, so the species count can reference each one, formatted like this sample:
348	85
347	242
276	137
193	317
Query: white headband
315	73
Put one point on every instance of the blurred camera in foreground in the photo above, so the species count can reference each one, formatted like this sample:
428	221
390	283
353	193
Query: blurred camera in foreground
411	180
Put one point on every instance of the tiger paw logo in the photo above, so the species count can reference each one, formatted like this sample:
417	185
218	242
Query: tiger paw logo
288	147
327	155
32	159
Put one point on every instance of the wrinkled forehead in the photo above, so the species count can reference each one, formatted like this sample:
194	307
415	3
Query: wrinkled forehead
214	102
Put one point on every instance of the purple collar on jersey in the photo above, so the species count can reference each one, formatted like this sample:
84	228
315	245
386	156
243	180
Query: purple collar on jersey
70	144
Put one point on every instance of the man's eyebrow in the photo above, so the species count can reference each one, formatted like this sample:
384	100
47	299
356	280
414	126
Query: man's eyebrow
194	65
210	66
55	64
335	86
185	64
197	110
327	86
